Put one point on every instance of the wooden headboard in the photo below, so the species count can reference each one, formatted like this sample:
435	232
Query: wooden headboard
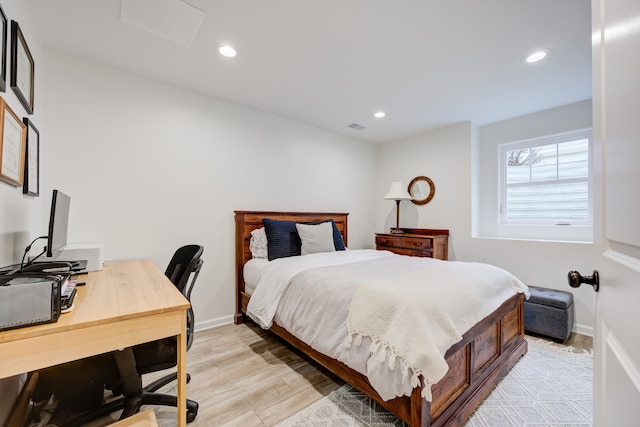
247	221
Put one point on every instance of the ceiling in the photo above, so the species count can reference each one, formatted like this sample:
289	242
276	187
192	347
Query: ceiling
332	63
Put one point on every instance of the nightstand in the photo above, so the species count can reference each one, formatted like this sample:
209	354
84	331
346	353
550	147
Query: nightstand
423	242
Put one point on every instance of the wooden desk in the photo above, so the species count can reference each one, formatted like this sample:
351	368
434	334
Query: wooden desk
127	303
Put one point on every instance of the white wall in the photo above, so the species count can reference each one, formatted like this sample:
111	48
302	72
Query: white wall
21	217
442	155
446	156
150	167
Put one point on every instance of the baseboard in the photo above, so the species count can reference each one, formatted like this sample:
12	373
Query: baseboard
213	323
584	330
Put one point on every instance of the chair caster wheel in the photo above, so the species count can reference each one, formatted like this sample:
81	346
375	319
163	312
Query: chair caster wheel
192	410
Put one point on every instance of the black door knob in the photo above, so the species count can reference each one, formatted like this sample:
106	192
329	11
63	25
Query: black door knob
575	280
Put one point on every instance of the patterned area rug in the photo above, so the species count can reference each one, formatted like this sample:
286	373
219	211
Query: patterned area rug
549	386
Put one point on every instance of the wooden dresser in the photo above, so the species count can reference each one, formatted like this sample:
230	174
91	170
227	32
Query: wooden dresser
424	242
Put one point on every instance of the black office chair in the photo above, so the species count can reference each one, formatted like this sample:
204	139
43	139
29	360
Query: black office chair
80	384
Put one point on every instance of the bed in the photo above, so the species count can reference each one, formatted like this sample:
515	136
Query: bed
476	363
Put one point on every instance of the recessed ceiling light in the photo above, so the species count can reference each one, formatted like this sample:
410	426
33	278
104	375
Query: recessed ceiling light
379	114
227	51
536	56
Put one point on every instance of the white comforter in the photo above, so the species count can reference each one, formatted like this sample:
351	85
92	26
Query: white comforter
311	296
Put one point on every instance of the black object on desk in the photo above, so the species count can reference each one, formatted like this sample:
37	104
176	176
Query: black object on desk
27	300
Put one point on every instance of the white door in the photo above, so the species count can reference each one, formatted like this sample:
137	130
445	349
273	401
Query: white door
616	103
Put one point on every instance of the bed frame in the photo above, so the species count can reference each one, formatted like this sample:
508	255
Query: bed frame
476	363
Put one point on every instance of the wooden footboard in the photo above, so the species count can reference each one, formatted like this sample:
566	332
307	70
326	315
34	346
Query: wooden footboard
476	363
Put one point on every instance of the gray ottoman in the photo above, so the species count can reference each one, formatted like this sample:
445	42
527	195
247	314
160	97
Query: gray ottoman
549	312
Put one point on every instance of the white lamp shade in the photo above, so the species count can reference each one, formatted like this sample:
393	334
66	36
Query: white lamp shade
397	192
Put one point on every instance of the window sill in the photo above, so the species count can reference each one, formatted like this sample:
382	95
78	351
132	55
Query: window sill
540	233
528	239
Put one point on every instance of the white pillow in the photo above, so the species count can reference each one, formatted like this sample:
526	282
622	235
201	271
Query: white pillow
316	238
258	243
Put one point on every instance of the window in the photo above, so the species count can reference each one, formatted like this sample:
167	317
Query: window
546	181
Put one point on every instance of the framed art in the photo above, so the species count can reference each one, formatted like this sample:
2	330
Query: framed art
22	68
31	185
3	47
13	141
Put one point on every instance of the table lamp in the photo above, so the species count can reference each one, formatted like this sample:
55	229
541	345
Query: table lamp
397	192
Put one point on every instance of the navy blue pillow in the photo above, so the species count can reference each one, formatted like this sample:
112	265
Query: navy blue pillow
282	238
284	241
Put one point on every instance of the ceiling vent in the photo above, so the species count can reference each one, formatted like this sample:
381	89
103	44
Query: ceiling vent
173	20
356	126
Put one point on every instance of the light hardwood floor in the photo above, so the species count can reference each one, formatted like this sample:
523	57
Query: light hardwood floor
244	376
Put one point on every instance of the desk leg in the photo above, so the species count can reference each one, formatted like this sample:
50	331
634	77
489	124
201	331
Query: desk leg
182	375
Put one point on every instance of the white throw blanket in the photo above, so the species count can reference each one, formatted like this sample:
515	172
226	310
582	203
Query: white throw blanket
416	316
310	296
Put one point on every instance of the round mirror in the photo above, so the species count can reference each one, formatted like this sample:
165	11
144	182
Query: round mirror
422	190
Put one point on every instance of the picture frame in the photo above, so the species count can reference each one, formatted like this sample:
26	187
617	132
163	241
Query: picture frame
22	68
3	47
31	185
417	190
13	141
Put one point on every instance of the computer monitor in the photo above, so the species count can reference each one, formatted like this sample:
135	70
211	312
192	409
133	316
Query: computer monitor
58	222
